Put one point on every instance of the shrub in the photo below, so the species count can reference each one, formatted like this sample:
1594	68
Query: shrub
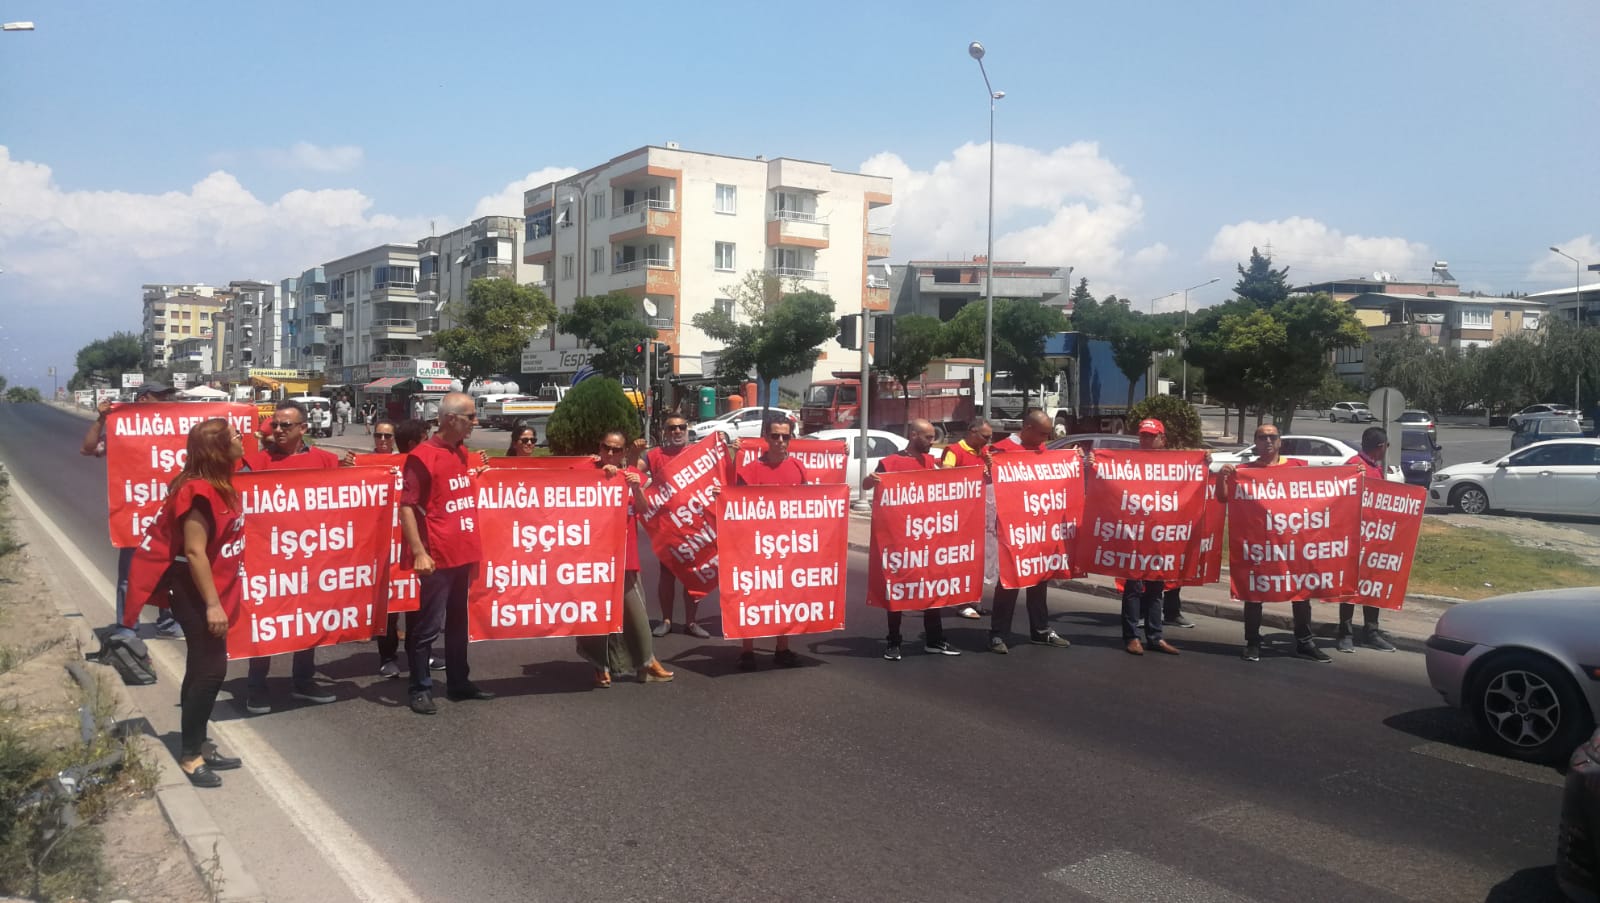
1177	415
591	409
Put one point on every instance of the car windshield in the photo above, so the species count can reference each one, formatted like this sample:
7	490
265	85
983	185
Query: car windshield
1415	440
1563	427
820	396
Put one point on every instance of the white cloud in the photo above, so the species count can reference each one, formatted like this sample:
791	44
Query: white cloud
508	200
1064	207
308	156
1556	271
1314	251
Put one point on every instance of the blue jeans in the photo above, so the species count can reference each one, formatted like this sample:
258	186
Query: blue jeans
1141	599
442	597
124	562
303	669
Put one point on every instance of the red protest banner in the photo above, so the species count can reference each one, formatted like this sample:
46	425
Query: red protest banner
825	460
927	539
404	590
1391	520
1292	533
676	516
553	548
316	553
1203	561
146	445
783	559
1038	498
544	462
1141	511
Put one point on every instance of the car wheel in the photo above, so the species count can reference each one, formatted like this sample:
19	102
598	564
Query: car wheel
1470	500
1527	708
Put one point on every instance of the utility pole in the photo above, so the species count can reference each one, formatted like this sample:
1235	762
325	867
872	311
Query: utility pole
865	405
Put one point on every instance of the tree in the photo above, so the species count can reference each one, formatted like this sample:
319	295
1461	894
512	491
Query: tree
109	358
2	384
1020	331
1260	284
22	395
497	322
778	333
586	413
612	324
1177	415
1313	326
916	340
1080	294
1134	337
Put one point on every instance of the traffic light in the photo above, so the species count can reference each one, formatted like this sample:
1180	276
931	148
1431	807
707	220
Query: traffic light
638	353
847	331
882	338
663	355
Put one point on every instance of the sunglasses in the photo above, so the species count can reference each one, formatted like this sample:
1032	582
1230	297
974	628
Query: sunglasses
377	436
526	440
285	424
675	427
778	437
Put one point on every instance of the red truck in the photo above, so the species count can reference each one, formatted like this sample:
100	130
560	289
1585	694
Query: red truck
949	404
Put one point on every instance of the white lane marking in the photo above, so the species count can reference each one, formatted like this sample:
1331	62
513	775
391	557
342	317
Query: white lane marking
366	874
1405	871
1124	877
1471	758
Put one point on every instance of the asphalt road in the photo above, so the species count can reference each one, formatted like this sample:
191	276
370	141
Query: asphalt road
1079	774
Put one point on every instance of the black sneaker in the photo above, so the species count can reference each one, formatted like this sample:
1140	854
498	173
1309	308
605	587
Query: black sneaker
1049	638
785	658
389	669
1251	653
256	703
891	652
468	693
1308	649
1376	638
436	664
941	648
1179	621
312	692
747	661
1345	643
422	703
998	646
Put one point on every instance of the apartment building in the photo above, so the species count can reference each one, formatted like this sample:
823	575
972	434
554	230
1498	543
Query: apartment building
374	295
489	247
316	336
172	312
1449	320
679	228
1580	303
193	354
250	340
941	288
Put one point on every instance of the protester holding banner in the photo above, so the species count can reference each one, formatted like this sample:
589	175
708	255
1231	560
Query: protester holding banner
914	457
631	650
390	438
1374	445
774	468
523	439
289	451
1267	445
1142	599
437	515
973	451
191	555
1036	430
94	446
674	439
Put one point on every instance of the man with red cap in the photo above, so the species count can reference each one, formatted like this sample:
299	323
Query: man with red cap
1142	598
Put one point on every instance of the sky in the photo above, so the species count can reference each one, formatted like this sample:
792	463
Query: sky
1148	145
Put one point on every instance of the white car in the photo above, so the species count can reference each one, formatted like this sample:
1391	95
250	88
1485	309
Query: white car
742	423
1317	451
1352	411
1561	476
880	445
1534	411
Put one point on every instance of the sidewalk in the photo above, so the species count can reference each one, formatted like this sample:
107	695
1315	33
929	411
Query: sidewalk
1410	627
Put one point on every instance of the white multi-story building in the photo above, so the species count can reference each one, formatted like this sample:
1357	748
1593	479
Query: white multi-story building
174	312
681	228
489	247
374	292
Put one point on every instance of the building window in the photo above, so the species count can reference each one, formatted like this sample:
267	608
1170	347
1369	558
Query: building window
1477	319
725	258
723	307
538	226
597	259
567	265
1530	320
597	206
727	199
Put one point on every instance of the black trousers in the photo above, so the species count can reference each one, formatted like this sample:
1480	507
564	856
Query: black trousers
932	624
1347	613
389	643
443	597
1171	604
1005	605
206	666
1252	621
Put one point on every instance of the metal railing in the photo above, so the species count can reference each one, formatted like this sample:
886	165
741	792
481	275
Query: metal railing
629	266
796	216
393	326
799	273
646	204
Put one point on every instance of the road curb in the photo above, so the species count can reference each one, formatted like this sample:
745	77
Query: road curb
211	853
1234	611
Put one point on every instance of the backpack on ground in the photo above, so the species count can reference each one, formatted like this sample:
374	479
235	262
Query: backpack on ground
127	655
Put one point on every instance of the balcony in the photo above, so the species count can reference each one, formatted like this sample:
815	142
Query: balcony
647	217
877	243
654	275
538	250
800	274
798	230
398	292
492	268
1004	286
335	304
393	329
427	326
428	286
877	297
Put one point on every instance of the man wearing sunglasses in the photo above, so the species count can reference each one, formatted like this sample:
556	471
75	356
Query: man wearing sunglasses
288	451
774	468
438	516
674	439
1268	445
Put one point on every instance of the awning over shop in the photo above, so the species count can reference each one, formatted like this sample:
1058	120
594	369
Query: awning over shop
383	386
432	384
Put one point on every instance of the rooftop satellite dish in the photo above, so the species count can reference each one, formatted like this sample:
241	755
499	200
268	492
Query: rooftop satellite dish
649	307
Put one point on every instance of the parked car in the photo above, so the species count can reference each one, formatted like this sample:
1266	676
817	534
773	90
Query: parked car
1534	411
1578	843
1561	476
1543	429
880	445
741	423
1417	418
1352	411
1092	441
1519	666
1420	455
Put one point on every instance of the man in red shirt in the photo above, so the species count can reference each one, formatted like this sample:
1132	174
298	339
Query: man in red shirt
1036	429
1141	599
919	440
1267	445
674	439
438	515
775	468
973	451
1374	445
288	451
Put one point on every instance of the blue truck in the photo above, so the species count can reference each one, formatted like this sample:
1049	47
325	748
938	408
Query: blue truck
1091	393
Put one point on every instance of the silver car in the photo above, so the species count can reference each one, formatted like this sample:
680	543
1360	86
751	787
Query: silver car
1524	667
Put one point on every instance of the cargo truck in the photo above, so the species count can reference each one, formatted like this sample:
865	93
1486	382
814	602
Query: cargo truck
1090	393
949	403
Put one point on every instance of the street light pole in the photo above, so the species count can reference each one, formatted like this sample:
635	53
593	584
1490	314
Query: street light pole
975	50
1183	344
1577	309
